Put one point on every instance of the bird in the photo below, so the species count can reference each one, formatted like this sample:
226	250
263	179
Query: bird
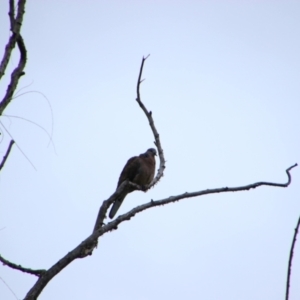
139	170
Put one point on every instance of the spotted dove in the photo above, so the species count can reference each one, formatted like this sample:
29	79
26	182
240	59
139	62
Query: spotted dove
139	170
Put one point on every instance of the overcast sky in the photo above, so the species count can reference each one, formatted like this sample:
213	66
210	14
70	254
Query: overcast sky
222	82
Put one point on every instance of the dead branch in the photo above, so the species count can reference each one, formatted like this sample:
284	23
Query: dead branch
162	164
127	216
15	38
20	268
89	242
15	76
15	24
290	261
105	205
6	154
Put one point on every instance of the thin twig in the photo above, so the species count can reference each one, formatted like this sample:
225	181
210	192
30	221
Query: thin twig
148	114
290	261
6	262
36	124
17	95
27	158
9	288
6	154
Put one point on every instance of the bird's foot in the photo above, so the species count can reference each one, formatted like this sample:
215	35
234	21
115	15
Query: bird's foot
144	188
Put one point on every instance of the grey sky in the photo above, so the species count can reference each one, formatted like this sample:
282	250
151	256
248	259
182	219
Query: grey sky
223	84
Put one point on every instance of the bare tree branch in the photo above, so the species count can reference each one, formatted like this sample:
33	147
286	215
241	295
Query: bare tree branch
105	205
15	24
148	114
6	154
11	14
20	268
16	74
85	246
290	261
127	216
15	28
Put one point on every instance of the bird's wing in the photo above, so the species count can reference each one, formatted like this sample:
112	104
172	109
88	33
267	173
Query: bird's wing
130	170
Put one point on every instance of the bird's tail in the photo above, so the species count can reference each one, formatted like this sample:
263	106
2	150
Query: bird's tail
116	205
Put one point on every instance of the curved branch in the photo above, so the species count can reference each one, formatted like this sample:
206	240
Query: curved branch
86	247
6	154
290	261
162	164
127	216
16	74
20	268
15	25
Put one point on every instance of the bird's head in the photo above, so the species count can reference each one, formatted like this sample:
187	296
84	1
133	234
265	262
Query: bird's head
151	151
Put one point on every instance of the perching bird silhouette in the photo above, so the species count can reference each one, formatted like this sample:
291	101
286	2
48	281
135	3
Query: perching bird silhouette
139	170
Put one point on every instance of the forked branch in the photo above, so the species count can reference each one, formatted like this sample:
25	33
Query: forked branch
15	24
105	205
15	38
